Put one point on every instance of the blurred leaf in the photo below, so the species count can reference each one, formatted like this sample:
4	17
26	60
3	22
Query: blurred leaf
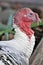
35	24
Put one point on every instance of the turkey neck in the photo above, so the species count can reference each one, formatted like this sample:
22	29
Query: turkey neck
25	27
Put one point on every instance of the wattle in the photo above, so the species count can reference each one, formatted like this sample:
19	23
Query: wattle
25	27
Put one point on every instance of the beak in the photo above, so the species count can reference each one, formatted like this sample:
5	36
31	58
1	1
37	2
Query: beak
38	20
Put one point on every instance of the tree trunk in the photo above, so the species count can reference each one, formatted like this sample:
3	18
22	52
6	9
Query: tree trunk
37	57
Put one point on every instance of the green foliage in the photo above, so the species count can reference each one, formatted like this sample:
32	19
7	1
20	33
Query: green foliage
35	24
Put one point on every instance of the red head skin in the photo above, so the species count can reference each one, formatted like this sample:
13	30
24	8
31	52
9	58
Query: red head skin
24	18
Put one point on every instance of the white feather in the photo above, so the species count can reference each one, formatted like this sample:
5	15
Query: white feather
1	63
21	42
24	42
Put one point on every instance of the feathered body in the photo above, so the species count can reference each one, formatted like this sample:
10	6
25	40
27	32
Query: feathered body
24	39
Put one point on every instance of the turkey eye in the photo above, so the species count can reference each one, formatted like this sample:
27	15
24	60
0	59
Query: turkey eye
31	13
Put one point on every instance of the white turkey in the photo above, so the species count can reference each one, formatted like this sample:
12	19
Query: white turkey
18	50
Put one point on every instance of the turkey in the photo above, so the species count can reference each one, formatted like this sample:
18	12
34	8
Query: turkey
19	49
